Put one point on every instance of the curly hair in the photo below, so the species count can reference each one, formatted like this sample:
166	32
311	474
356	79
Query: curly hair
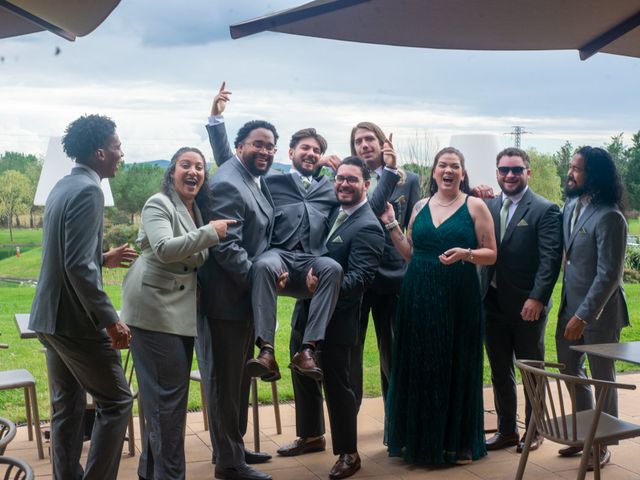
602	179
249	127
464	185
87	134
203	197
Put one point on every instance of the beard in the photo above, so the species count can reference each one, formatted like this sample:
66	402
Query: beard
572	192
250	162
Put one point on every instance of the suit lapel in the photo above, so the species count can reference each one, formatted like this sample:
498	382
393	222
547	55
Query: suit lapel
521	209
261	194
183	214
589	210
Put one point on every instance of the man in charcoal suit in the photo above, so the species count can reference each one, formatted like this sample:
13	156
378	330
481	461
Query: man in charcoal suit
73	316
356	242
593	308
225	327
518	286
304	204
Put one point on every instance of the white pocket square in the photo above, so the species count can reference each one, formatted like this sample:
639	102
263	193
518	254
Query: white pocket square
338	239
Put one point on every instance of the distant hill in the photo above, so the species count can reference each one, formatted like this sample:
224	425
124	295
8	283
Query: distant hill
160	163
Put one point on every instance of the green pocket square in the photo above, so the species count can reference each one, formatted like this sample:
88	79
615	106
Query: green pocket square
522	223
338	239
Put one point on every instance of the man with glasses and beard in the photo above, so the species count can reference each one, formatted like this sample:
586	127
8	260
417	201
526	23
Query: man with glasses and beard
518	287
593	308
225	325
356	242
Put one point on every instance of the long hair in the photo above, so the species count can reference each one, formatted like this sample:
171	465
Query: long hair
203	197
464	184
372	127
602	179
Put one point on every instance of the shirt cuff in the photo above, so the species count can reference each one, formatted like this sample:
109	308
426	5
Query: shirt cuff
216	119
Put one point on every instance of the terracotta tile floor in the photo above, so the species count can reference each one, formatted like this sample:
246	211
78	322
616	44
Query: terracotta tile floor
543	464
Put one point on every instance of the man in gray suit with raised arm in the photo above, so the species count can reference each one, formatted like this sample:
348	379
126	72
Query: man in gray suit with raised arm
593	308
225	328
73	316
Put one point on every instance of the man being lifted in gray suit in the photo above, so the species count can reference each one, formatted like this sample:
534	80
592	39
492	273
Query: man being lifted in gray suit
304	204
593	308
73	316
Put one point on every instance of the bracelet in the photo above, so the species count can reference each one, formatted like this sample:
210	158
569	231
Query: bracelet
391	226
469	255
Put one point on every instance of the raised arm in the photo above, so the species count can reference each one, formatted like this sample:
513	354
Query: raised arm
401	241
216	127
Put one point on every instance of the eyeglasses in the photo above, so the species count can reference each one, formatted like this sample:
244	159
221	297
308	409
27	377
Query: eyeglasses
258	145
504	171
351	180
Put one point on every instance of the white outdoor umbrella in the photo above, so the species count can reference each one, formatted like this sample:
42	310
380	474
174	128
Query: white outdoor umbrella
56	165
589	26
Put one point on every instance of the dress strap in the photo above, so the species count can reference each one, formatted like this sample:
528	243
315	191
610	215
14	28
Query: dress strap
466	198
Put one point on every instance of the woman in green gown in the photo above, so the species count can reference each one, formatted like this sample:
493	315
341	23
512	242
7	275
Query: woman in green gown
434	412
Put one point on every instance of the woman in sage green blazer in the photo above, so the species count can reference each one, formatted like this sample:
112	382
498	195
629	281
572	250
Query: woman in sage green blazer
159	306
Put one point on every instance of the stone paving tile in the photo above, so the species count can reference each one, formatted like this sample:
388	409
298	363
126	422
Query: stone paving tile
543	464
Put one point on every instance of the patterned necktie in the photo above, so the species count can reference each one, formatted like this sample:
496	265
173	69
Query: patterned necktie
342	216
576	214
306	182
504	213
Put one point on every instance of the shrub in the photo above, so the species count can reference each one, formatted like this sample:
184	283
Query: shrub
631	276
632	257
116	235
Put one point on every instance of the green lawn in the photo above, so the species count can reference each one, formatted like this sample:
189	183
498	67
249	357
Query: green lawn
26	353
20	236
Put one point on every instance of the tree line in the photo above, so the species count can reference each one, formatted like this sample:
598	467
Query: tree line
135	183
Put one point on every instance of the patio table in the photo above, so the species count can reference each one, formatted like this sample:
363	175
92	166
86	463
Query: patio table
627	351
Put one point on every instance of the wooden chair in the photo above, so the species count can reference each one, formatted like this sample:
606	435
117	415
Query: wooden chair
195	376
15	469
556	419
20	378
7	433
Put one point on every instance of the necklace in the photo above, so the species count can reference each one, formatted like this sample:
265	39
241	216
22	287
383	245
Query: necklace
450	203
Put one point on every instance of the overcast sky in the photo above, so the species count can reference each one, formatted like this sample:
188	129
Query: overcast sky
154	67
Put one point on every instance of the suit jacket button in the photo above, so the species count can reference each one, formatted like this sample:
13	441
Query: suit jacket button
186	269
195	269
568	262
181	287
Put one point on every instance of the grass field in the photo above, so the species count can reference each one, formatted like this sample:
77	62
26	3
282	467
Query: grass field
21	235
26	353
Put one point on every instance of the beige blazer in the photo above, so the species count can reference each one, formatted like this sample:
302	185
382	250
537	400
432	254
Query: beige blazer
159	290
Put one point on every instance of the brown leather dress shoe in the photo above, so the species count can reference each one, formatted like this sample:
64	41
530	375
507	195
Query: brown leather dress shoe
302	445
605	457
535	443
264	365
304	362
502	440
347	465
569	451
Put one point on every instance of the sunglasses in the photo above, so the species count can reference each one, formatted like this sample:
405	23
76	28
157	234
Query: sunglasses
504	171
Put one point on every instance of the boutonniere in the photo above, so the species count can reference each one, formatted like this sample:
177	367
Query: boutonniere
401	199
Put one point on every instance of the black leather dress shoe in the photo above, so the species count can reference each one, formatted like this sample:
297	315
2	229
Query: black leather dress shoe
302	445
242	472
347	465
569	451
250	457
605	457
502	440
255	457
536	441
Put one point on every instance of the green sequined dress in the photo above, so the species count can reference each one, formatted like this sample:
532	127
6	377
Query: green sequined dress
434	411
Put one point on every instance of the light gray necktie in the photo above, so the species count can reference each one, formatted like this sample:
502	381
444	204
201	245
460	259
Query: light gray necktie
576	215
373	182
342	216
504	214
